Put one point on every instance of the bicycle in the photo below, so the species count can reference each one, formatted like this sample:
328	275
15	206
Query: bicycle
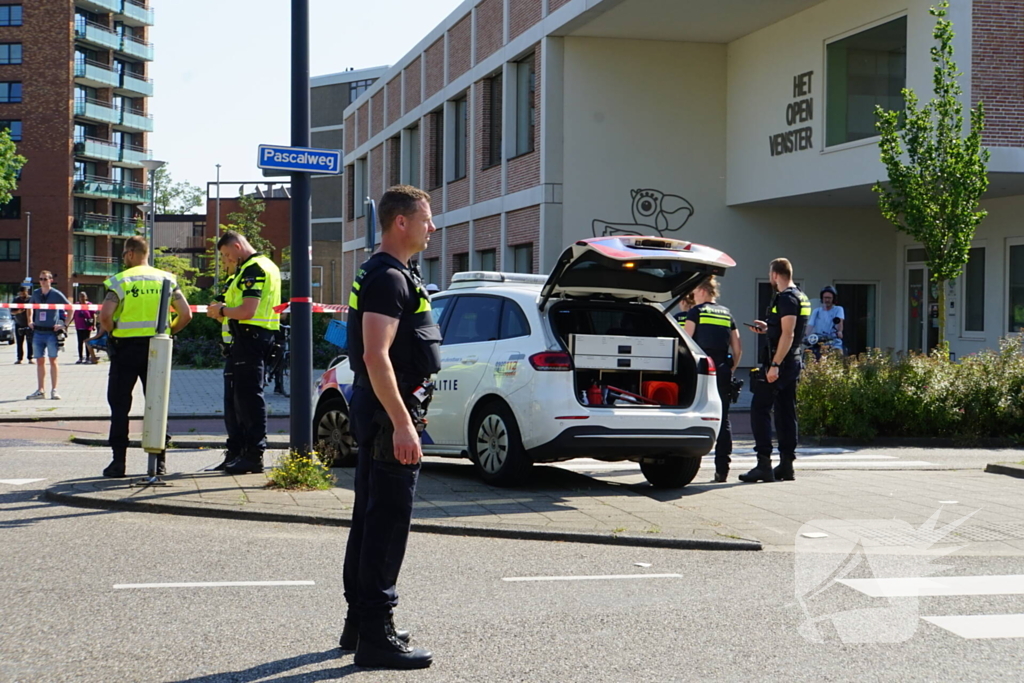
278	366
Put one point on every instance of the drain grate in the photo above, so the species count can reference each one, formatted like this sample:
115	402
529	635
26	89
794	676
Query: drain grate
976	533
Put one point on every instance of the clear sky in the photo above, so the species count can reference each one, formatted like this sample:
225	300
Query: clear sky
222	79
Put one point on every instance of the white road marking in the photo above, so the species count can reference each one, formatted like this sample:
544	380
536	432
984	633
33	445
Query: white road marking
1011	584
19	482
949	502
96	449
212	584
592	578
814	534
839	465
979	626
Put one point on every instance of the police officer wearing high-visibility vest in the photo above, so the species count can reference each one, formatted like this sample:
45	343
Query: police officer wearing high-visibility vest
394	348
774	383
129	314
711	325
248	323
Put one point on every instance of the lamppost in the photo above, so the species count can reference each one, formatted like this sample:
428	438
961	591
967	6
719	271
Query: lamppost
216	251
152	165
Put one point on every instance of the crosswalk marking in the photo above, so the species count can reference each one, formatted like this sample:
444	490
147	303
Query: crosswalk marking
606	577
19	482
1012	584
212	584
982	626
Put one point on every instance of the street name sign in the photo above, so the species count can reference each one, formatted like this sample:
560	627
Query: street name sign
300	160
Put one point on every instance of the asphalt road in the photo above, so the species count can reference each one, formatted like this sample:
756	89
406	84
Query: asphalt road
726	616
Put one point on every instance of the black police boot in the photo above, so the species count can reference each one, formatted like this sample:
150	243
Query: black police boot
763	471
380	647
228	457
115	470
350	636
247	463
721	476
784	472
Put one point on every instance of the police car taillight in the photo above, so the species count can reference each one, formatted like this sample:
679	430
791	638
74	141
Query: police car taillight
706	366
551	360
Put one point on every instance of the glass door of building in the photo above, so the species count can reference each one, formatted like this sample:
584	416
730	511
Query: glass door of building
922	310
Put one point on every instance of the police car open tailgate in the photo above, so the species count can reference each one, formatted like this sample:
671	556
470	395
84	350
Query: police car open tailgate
654	269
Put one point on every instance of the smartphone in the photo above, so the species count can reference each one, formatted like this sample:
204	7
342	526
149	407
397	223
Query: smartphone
752	326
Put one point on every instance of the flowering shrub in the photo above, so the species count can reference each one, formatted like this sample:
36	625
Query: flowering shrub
915	395
298	471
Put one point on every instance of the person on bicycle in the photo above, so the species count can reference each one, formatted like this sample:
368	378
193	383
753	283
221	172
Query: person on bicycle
822	321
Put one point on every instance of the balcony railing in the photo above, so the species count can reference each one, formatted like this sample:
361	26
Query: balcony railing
96	74
110	188
95	224
96	33
97	149
136	120
137	13
137	47
96	265
135	155
96	110
136	85
101	6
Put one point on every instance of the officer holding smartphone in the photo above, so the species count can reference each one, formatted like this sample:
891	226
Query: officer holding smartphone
781	365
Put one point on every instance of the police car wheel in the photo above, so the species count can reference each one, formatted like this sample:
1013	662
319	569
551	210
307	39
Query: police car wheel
670	472
331	425
496	447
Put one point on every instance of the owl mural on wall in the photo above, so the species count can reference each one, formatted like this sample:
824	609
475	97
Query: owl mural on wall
654	213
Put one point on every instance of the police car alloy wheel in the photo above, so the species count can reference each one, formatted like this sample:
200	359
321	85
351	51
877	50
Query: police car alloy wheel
334	429
497	447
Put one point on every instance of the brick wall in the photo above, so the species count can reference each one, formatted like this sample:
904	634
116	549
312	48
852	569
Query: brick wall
363	113
487	235
524	170
488	181
350	133
413	80
350	201
433	249
522	14
998	69
377	112
458	194
524	227
394	171
376	172
555	4
460	48
394	108
490	28
458	243
434	66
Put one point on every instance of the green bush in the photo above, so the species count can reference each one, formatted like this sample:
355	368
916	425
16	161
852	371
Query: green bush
915	395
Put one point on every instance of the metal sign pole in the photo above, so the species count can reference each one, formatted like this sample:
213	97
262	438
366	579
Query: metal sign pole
302	245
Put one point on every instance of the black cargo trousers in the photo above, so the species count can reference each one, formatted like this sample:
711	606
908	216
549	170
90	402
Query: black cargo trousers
778	396
723	447
245	408
129	363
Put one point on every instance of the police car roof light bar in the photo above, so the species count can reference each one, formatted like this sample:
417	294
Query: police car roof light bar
490	276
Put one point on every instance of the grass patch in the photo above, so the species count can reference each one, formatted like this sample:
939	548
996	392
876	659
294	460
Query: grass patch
298	472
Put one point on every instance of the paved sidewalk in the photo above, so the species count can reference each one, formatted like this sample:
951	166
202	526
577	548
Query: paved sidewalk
83	390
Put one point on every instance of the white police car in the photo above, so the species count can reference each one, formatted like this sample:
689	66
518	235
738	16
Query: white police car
583	363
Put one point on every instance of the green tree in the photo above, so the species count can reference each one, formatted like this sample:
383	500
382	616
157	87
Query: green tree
10	163
181	268
172	197
247	222
936	175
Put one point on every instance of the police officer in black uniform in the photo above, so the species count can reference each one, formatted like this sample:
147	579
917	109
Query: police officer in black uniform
394	348
711	325
774	383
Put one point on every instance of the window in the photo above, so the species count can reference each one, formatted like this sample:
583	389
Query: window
513	322
357	88
974	291
10	250
438	305
362	186
474	319
13	127
461	137
525	110
437	150
492	155
412	173
864	70
1015	275
11	210
487	259
460	262
350	193
10	15
522	258
432	271
10	53
10	91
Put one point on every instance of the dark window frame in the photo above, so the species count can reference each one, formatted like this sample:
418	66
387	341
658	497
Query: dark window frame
437	153
11	211
526	105
13	127
974	292
6	12
460	165
9	61
14	92
494	121
460	259
5	249
493	253
528	248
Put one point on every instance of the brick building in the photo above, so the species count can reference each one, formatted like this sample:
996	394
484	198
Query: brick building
534	123
74	93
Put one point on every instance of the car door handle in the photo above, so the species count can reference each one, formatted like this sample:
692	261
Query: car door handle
469	361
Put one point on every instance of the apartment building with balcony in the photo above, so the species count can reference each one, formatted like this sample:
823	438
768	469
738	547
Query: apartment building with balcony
743	125
77	91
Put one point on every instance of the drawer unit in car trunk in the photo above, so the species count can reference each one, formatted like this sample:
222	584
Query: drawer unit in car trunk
605	352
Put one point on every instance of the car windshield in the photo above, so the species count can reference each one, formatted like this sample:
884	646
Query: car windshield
5	314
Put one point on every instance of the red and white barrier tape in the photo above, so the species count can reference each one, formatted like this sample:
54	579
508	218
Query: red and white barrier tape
281	308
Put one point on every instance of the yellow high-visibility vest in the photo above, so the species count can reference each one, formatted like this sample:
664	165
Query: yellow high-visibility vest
270	295
138	292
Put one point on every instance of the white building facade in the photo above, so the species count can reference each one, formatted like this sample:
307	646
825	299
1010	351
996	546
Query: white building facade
534	123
